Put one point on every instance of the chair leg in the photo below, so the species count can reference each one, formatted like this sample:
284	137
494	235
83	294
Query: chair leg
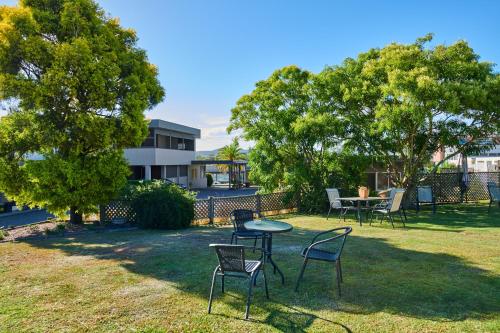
391	219
265	283
401	218
254	244
489	206
301	274
222	284
212	290
329	212
232	238
404	213
337	268
249	297
340	270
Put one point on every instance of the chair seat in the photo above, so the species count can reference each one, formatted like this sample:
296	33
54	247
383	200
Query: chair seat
318	254
252	265
248	234
383	211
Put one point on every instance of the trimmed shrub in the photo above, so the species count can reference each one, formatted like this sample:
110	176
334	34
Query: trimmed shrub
160	205
210	179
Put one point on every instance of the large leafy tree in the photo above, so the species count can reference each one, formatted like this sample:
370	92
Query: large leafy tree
76	87
298	136
405	102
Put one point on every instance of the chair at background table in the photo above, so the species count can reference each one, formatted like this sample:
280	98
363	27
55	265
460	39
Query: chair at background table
335	203
494	193
384	204
329	249
393	207
425	195
232	263
238	218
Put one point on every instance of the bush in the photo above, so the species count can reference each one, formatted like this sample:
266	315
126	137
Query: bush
3	234
210	179
160	205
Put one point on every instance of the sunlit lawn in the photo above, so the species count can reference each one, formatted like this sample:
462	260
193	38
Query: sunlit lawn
440	274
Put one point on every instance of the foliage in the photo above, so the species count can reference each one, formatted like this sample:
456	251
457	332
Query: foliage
408	101
298	137
76	86
396	106
210	179
230	152
160	205
3	234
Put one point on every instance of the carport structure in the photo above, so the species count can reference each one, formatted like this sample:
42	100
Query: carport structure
237	169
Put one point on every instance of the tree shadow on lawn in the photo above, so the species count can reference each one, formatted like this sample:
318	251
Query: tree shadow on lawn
378	277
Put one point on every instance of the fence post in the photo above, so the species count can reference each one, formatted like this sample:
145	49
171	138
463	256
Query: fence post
258	205
211	210
102	213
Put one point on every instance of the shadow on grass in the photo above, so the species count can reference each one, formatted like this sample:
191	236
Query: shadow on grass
378	276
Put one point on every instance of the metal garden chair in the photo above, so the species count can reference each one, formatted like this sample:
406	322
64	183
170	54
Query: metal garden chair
425	195
232	263
393	206
494	193
238	218
335	203
384	204
329	249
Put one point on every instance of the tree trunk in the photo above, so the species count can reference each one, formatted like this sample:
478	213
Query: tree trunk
75	217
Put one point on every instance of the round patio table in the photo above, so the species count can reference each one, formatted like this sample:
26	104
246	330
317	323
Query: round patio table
268	228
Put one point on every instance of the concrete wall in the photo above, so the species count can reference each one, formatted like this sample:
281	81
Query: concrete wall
158	156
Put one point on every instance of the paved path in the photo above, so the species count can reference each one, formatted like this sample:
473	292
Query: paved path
223	192
22	218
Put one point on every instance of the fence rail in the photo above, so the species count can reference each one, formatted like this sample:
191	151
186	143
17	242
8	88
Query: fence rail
215	209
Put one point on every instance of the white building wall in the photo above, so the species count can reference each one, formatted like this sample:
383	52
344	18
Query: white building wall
158	156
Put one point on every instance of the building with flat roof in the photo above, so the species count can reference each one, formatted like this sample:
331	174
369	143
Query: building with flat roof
167	153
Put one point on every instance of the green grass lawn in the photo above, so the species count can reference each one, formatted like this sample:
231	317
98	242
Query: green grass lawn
440	274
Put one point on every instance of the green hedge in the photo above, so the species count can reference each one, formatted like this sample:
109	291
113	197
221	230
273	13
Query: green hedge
160	205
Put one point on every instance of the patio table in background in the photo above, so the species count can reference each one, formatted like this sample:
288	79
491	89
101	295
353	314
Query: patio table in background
358	201
268	228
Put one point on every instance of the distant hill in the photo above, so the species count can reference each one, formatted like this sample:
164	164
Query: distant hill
205	154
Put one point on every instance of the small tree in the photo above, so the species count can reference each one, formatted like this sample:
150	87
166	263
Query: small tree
230	152
298	137
76	87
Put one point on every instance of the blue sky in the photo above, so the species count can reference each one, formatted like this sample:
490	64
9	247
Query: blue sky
210	53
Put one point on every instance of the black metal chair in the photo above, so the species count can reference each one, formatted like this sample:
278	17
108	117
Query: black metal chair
426	195
494	193
238	218
317	251
232	263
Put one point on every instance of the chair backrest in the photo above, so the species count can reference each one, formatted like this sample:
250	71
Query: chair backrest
395	203
493	191
337	241
239	217
231	257
333	197
424	194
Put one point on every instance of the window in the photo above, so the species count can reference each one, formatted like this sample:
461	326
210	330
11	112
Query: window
162	141
189	144
137	172
150	140
155	172
171	171
183	170
175	142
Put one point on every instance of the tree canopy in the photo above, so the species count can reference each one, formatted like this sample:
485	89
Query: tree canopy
75	86
395	106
